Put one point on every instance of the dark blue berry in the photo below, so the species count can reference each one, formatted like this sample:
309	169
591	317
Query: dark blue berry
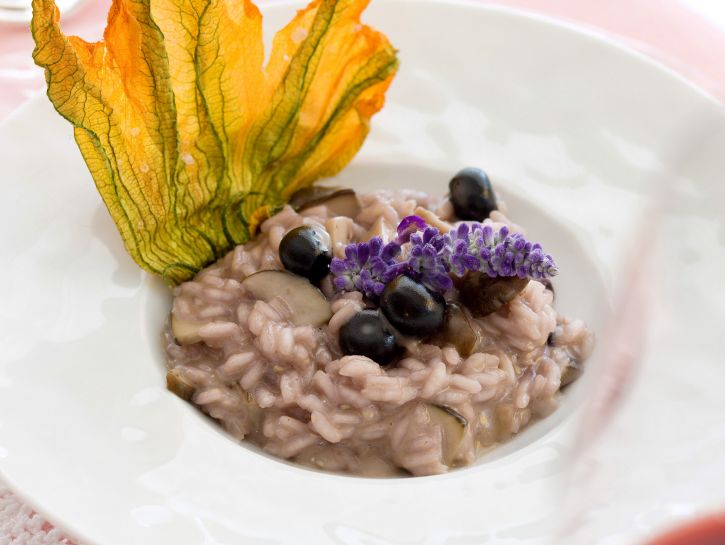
303	252
472	195
366	334
411	308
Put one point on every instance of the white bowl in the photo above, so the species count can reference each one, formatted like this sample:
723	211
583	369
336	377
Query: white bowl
573	130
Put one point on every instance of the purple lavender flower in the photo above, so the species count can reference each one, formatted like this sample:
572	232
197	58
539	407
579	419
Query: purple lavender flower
508	254
408	226
428	260
459	258
364	266
432	257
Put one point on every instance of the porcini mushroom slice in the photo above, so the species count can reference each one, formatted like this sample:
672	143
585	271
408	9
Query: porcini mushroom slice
302	198
185	331
453	425
307	303
484	295
179	385
340	230
458	329
570	374
339	201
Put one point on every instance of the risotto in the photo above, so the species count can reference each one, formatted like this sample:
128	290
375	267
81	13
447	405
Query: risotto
268	355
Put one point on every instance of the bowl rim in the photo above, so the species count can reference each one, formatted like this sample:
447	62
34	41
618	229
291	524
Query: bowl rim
574	30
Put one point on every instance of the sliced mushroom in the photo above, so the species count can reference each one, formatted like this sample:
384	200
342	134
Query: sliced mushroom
484	295
179	385
343	203
302	198
572	372
382	229
185	331
340	230
459	330
509	421
254	411
504	419
339	201
307	303
454	427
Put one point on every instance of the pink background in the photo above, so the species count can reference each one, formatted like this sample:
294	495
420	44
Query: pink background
682	34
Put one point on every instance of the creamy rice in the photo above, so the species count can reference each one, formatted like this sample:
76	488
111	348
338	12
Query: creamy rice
290	390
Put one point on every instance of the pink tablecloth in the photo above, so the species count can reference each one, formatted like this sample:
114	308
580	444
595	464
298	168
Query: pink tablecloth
668	30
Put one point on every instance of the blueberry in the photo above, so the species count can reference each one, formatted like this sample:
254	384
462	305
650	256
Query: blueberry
472	195
303	252
411	308
366	334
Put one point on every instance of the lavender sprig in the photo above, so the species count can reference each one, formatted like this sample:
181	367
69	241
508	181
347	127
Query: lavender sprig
428	260
364	266
433	257
408	226
501	253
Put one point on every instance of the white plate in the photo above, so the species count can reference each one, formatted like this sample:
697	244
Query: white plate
20	11
568	125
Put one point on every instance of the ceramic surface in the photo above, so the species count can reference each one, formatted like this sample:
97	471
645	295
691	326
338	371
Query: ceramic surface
575	132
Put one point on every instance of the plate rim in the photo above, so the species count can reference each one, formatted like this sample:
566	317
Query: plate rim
600	37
